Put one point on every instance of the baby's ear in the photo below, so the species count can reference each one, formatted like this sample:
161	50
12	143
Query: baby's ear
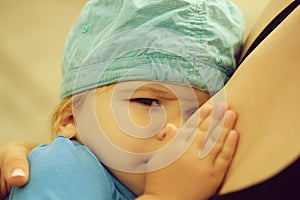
66	117
66	125
68	131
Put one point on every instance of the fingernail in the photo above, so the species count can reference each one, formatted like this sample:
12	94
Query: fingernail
18	172
232	135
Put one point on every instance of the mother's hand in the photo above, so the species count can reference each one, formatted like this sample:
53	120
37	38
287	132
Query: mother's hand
14	166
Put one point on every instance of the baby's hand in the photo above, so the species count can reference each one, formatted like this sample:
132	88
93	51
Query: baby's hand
14	167
191	177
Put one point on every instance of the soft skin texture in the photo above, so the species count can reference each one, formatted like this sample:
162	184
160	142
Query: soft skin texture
159	183
190	169
180	56
281	117
14	167
159	97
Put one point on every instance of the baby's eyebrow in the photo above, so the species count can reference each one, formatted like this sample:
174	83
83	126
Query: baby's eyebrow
157	91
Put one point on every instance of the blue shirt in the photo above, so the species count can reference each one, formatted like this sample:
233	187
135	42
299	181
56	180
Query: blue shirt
68	170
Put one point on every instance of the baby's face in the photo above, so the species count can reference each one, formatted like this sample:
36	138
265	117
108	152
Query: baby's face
133	116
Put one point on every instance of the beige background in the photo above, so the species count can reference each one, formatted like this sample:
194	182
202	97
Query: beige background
32	36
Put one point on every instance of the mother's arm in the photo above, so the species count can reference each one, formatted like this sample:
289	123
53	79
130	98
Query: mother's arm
265	93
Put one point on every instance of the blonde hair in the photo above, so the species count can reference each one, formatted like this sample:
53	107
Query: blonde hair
65	106
55	118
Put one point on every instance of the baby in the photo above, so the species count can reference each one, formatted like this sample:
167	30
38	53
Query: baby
134	75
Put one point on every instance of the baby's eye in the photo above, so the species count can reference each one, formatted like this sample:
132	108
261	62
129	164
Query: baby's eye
146	101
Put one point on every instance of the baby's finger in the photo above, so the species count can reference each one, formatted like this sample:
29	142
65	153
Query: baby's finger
223	127
204	111
226	154
210	122
189	129
218	115
205	115
215	136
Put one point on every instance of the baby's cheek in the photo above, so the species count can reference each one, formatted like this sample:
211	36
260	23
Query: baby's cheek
139	116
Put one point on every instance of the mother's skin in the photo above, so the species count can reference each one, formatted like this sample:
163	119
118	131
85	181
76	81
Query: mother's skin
265	92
